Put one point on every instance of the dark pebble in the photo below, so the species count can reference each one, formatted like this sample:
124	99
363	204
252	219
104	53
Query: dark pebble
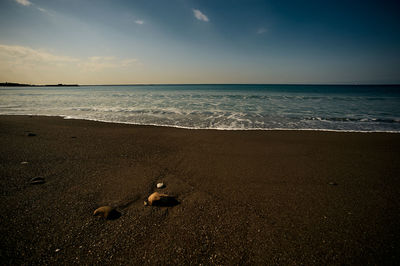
31	134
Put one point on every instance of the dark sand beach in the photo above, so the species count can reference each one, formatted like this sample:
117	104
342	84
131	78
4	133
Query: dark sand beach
245	197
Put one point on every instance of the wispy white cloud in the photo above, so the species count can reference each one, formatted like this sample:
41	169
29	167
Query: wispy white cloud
28	3
50	13
21	54
20	57
199	15
23	2
129	62
261	30
141	22
99	63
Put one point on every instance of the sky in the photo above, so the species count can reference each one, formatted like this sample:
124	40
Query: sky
210	41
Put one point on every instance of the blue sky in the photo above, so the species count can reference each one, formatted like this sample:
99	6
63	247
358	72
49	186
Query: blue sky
215	41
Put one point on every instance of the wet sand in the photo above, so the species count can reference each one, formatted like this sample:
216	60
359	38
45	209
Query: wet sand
245	197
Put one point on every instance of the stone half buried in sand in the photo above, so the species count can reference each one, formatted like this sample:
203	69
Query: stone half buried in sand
163	200
160	185
107	212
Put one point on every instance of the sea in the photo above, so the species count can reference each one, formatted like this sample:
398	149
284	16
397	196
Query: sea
358	108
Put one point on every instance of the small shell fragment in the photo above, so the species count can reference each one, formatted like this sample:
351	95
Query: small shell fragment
160	185
37	181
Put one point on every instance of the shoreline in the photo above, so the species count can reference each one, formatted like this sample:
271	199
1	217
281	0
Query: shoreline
66	117
15	84
245	197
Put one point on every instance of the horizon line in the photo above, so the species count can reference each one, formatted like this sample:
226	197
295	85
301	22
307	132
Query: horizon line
181	84
294	84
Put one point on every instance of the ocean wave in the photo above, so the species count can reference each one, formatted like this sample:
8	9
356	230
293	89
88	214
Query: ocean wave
212	109
234	126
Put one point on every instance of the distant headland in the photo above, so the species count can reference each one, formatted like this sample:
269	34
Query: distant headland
13	84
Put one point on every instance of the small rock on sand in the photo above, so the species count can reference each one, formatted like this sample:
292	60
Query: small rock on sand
333	183
158	199
155	197
31	134
107	212
160	185
24	162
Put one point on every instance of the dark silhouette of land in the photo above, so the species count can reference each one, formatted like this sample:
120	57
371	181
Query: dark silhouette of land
14	84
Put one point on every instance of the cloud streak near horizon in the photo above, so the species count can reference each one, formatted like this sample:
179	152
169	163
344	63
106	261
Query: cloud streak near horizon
19	59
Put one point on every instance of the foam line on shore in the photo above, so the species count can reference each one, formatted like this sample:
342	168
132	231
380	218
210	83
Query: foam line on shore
222	129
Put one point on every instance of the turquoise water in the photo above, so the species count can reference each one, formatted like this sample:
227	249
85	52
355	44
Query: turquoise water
233	107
